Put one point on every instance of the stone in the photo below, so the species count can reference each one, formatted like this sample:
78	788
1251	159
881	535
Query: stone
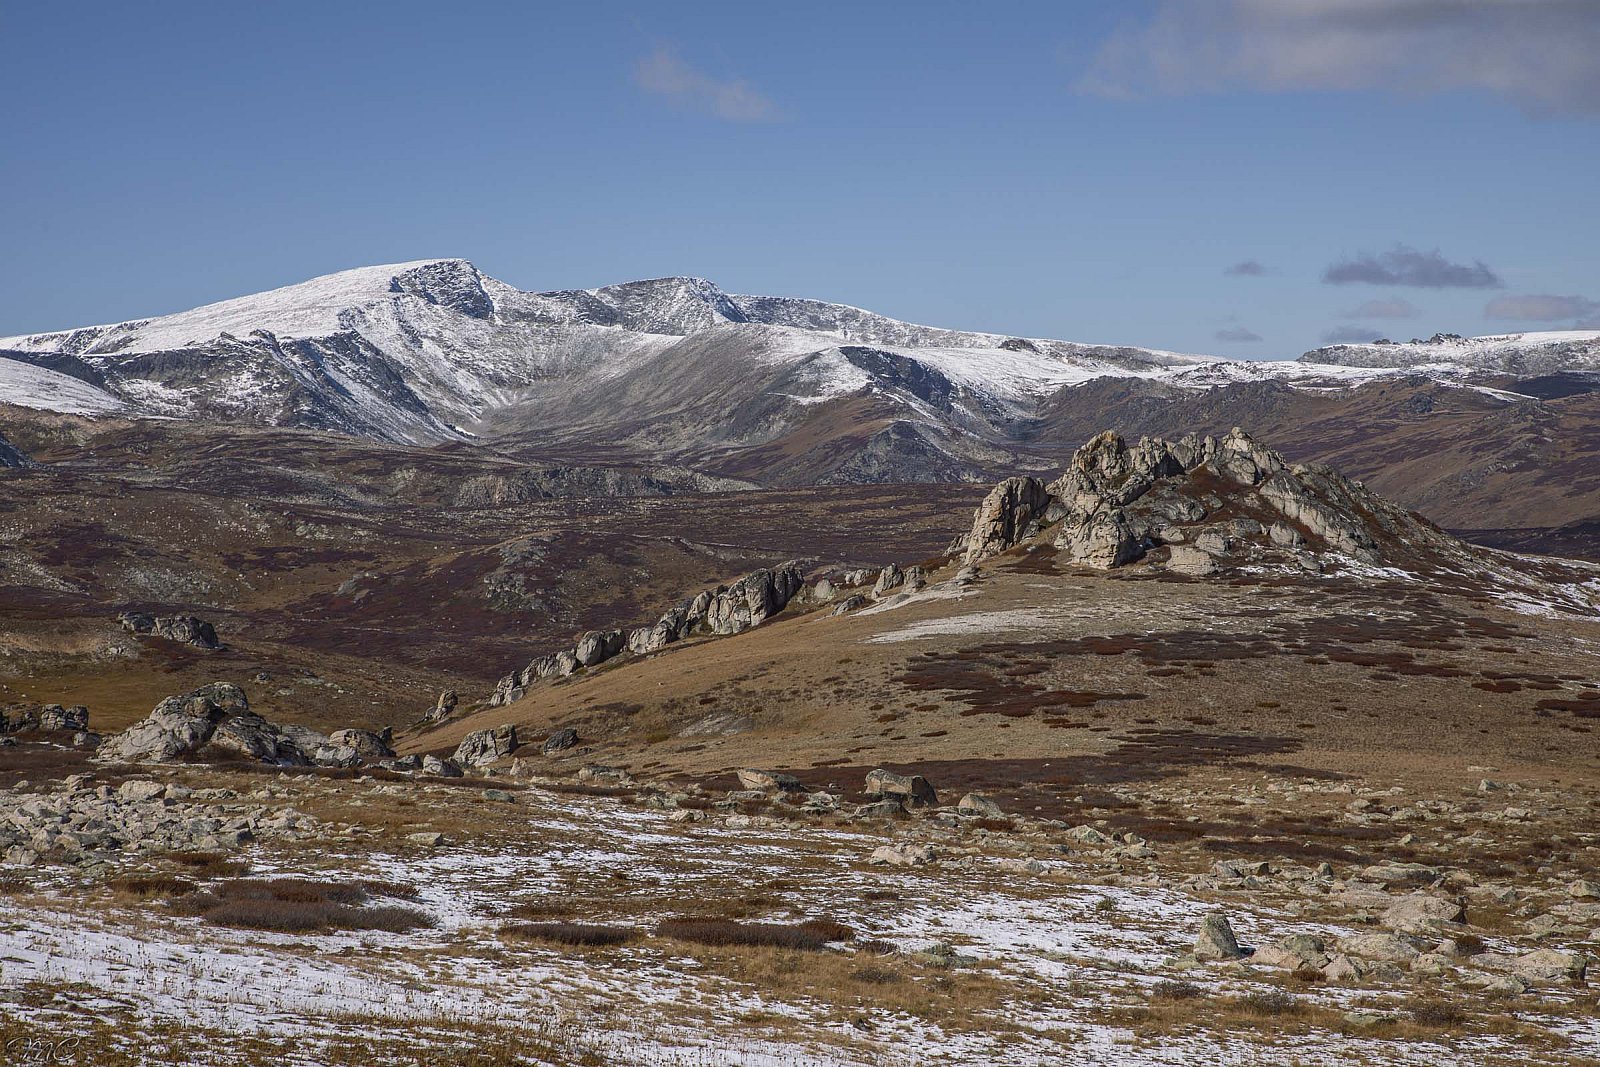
1584	889
1009	515
139	789
767	781
1101	539
177	727
903	855
1550	965
559	741
499	796
1342	969
426	838
1293	952
440	768
979	806
911	790
1216	940
1191	560
1388	948
597	646
849	604
370	746
1087	835
484	747
1421	914
55	717
891	577
185	629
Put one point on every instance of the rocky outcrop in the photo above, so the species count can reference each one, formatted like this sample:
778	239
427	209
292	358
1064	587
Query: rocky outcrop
1009	515
47	718
728	609
215	723
485	746
185	629
1211	504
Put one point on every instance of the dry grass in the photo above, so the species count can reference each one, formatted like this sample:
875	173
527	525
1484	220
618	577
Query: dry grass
301	905
562	933
814	935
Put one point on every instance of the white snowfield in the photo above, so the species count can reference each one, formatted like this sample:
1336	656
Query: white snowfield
415	351
28	386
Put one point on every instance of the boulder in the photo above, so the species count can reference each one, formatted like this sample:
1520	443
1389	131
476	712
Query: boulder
1216	940
1009	515
440	768
911	790
767	781
979	806
1421	914
1388	948
1102	539
178	726
890	578
1551	965
849	604
1192	560
1293	952
903	855
56	717
371	747
486	746
597	646
559	741
185	629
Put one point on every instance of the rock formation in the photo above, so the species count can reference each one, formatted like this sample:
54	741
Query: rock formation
185	629
1209	503
729	609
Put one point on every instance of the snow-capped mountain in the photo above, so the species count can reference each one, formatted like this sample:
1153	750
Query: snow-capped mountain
1543	352
670	369
418	351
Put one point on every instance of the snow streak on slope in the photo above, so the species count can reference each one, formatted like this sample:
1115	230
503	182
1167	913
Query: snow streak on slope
35	387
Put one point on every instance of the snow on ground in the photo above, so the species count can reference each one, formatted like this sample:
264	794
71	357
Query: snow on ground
1043	932
28	386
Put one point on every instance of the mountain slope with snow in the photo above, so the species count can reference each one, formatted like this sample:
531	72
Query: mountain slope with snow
671	369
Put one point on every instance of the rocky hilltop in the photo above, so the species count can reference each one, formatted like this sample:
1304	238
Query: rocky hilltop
1199	506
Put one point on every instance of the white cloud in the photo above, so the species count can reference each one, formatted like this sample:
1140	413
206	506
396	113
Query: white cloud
1542	54
665	73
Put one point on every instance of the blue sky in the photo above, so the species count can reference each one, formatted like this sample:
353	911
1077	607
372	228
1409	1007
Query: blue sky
1068	169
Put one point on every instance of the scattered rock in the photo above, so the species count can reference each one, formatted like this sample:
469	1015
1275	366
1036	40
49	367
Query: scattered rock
1550	965
903	855
980	806
911	790
1216	940
767	781
560	741
484	747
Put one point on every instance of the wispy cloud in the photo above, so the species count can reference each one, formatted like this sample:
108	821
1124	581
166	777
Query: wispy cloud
1237	333
1542	54
1392	308
1407	266
666	73
1543	307
1350	335
1247	268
